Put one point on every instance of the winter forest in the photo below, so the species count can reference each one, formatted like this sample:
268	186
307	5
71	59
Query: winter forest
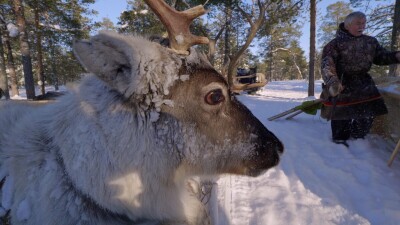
36	36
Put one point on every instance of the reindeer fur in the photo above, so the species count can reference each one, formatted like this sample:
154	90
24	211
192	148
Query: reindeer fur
121	145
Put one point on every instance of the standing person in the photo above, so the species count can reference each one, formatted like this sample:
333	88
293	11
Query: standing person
352	97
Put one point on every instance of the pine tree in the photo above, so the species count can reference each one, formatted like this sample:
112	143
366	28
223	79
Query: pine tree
25	49
395	43
3	75
335	14
311	76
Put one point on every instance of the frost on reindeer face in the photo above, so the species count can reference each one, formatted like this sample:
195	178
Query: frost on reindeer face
218	133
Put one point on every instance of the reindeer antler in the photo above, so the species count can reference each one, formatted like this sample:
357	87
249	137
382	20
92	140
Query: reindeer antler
177	24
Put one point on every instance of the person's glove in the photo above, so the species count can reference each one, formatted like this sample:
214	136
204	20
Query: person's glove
335	88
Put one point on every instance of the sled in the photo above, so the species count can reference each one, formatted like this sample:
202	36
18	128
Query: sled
309	107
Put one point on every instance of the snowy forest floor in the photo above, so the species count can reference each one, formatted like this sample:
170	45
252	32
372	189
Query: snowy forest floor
317	181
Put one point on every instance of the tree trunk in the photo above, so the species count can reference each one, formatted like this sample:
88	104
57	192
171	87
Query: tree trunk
11	66
227	49
300	75
271	55
394	70
211	50
24	45
311	76
212	46
53	65
40	69
3	74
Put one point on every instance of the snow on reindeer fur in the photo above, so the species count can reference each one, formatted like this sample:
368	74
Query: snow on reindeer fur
152	74
121	146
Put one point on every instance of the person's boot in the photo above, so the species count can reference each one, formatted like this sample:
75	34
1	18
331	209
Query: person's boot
360	128
343	142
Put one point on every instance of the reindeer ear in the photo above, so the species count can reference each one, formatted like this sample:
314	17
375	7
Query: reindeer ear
103	59
98	58
132	65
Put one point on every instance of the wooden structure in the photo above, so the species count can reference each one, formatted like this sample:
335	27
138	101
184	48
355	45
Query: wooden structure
388	126
238	87
396	150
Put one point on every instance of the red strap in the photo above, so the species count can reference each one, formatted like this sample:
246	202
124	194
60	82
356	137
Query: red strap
327	103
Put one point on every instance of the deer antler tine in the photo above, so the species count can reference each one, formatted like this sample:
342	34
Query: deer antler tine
178	23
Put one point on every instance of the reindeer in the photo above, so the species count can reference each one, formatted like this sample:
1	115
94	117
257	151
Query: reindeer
120	147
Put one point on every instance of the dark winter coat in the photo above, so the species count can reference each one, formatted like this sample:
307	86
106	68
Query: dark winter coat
348	59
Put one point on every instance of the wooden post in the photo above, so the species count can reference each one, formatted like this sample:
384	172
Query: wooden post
395	151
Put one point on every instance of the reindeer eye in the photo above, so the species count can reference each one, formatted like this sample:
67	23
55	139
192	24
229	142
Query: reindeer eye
214	97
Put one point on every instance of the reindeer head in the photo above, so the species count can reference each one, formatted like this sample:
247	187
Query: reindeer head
186	99
230	138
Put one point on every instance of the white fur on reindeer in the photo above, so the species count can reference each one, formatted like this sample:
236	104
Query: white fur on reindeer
120	147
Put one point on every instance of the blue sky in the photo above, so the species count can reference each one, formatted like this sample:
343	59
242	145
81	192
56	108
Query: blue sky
110	9
113	10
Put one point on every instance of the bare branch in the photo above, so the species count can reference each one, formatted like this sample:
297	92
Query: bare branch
246	15
281	49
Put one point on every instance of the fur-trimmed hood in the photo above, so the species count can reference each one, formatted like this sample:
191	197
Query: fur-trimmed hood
342	33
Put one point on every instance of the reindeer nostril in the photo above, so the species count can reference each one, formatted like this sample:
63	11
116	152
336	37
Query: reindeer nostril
277	160
280	147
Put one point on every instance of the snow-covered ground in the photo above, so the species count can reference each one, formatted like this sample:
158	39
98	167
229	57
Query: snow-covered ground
317	182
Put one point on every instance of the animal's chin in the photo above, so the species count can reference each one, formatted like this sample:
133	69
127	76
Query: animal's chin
251	171
259	166
255	172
